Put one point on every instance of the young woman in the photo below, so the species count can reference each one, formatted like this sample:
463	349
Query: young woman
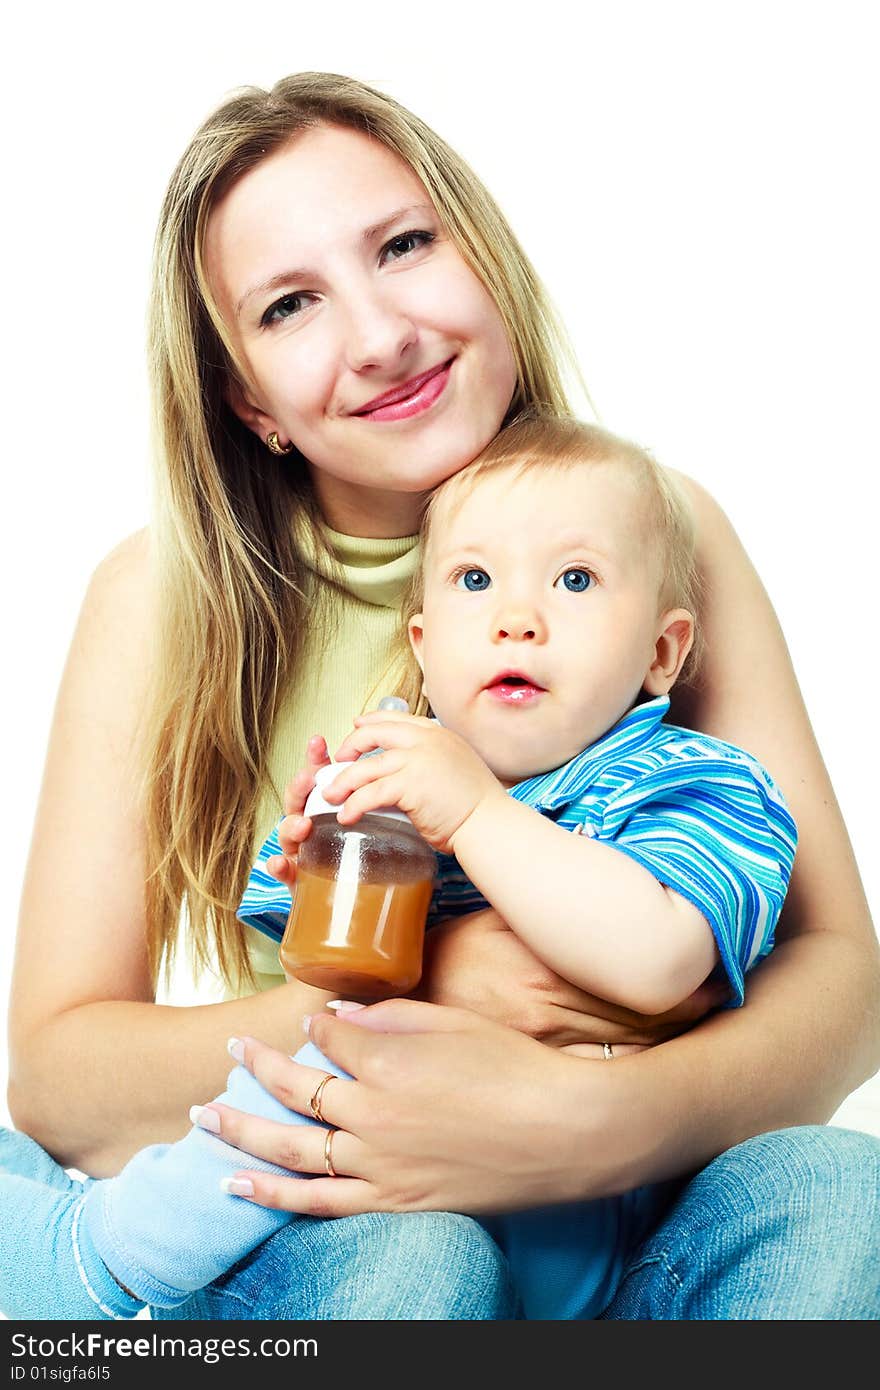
341	320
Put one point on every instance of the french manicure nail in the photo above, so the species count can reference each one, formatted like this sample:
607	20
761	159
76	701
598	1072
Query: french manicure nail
205	1119
235	1048
237	1187
343	1006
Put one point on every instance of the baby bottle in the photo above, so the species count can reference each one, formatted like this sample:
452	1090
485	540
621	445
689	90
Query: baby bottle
357	924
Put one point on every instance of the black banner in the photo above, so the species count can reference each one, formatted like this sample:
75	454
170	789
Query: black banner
194	1354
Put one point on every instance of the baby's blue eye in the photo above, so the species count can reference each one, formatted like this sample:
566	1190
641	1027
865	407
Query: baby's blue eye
474	580
576	581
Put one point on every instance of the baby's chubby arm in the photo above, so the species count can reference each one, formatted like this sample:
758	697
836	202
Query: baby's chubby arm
591	913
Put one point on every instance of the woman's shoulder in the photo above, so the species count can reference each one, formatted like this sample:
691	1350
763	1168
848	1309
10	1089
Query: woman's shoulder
710	518
122	582
130	561
115	625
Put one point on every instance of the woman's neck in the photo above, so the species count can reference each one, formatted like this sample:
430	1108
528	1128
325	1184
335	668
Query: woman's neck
371	513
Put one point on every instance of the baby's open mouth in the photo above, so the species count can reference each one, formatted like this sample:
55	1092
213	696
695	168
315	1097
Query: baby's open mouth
514	687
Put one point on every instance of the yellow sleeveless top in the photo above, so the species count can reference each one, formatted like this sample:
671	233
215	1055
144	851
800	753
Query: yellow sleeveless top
345	669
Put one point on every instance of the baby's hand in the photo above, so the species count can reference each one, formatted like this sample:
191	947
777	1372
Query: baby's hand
426	770
295	828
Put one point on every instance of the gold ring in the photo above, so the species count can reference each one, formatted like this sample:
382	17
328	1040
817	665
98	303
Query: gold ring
607	1053
315	1102
328	1157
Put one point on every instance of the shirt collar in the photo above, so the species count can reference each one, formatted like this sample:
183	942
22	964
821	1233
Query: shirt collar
550	790
374	570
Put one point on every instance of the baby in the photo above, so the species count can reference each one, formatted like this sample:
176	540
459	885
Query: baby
553	614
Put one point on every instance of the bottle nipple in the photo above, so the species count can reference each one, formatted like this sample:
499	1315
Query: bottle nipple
393	702
316	805
388	702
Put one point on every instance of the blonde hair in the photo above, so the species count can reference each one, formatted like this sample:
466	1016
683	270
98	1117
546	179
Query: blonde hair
233	614
538	441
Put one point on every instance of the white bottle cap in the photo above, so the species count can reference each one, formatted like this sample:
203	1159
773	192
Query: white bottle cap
316	805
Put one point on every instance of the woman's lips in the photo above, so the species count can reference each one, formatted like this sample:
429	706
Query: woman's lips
422	395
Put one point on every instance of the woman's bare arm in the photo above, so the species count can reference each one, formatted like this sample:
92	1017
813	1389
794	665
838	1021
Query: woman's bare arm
97	1069
811	1024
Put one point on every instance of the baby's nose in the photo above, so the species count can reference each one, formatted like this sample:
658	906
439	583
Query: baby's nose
520	625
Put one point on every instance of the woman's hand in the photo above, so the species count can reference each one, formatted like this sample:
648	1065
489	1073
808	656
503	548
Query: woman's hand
476	962
448	1112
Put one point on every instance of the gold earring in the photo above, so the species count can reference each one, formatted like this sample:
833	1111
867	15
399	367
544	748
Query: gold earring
276	448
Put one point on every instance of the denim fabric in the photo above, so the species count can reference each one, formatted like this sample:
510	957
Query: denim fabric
567	1262
784	1226
44	1271
421	1265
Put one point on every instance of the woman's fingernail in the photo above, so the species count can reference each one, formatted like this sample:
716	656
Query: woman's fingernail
307	1022
235	1048
343	1006
237	1187
205	1119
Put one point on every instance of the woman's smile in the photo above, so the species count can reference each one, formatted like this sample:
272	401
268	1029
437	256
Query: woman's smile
382	323
411	398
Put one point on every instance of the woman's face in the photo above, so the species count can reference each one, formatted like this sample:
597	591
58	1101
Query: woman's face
340	288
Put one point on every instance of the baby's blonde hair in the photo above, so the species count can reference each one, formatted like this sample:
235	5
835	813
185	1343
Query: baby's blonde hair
538	441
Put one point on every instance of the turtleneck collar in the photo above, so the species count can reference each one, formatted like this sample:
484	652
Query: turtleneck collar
374	570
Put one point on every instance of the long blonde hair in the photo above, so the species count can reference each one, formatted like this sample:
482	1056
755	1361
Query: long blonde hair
232	611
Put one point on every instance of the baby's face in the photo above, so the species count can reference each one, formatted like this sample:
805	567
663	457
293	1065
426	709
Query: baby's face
541	614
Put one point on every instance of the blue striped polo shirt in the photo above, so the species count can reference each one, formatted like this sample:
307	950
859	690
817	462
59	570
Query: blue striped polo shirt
701	815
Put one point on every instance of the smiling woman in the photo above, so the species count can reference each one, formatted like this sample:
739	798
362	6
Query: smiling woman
383	335
330	275
288	190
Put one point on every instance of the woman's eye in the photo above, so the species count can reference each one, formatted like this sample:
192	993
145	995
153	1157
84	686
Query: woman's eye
577	581
474	580
285	308
407	242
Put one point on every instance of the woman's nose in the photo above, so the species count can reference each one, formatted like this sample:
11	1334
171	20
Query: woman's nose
378	333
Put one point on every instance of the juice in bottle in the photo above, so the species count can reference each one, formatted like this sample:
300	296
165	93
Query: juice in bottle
360	901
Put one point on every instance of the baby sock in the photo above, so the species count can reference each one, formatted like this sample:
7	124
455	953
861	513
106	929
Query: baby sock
162	1226
39	1275
43	1272
22	1157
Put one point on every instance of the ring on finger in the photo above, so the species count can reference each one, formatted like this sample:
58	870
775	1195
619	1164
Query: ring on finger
607	1053
315	1102
328	1154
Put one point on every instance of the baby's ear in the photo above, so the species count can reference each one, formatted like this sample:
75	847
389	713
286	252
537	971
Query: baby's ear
416	634
674	640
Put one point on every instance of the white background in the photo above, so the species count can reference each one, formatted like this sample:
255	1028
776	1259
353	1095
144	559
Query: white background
695	182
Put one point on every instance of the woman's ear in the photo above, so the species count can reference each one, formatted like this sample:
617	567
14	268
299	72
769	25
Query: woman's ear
674	640
240	402
416	633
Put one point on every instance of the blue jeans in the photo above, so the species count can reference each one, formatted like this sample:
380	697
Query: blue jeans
784	1226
